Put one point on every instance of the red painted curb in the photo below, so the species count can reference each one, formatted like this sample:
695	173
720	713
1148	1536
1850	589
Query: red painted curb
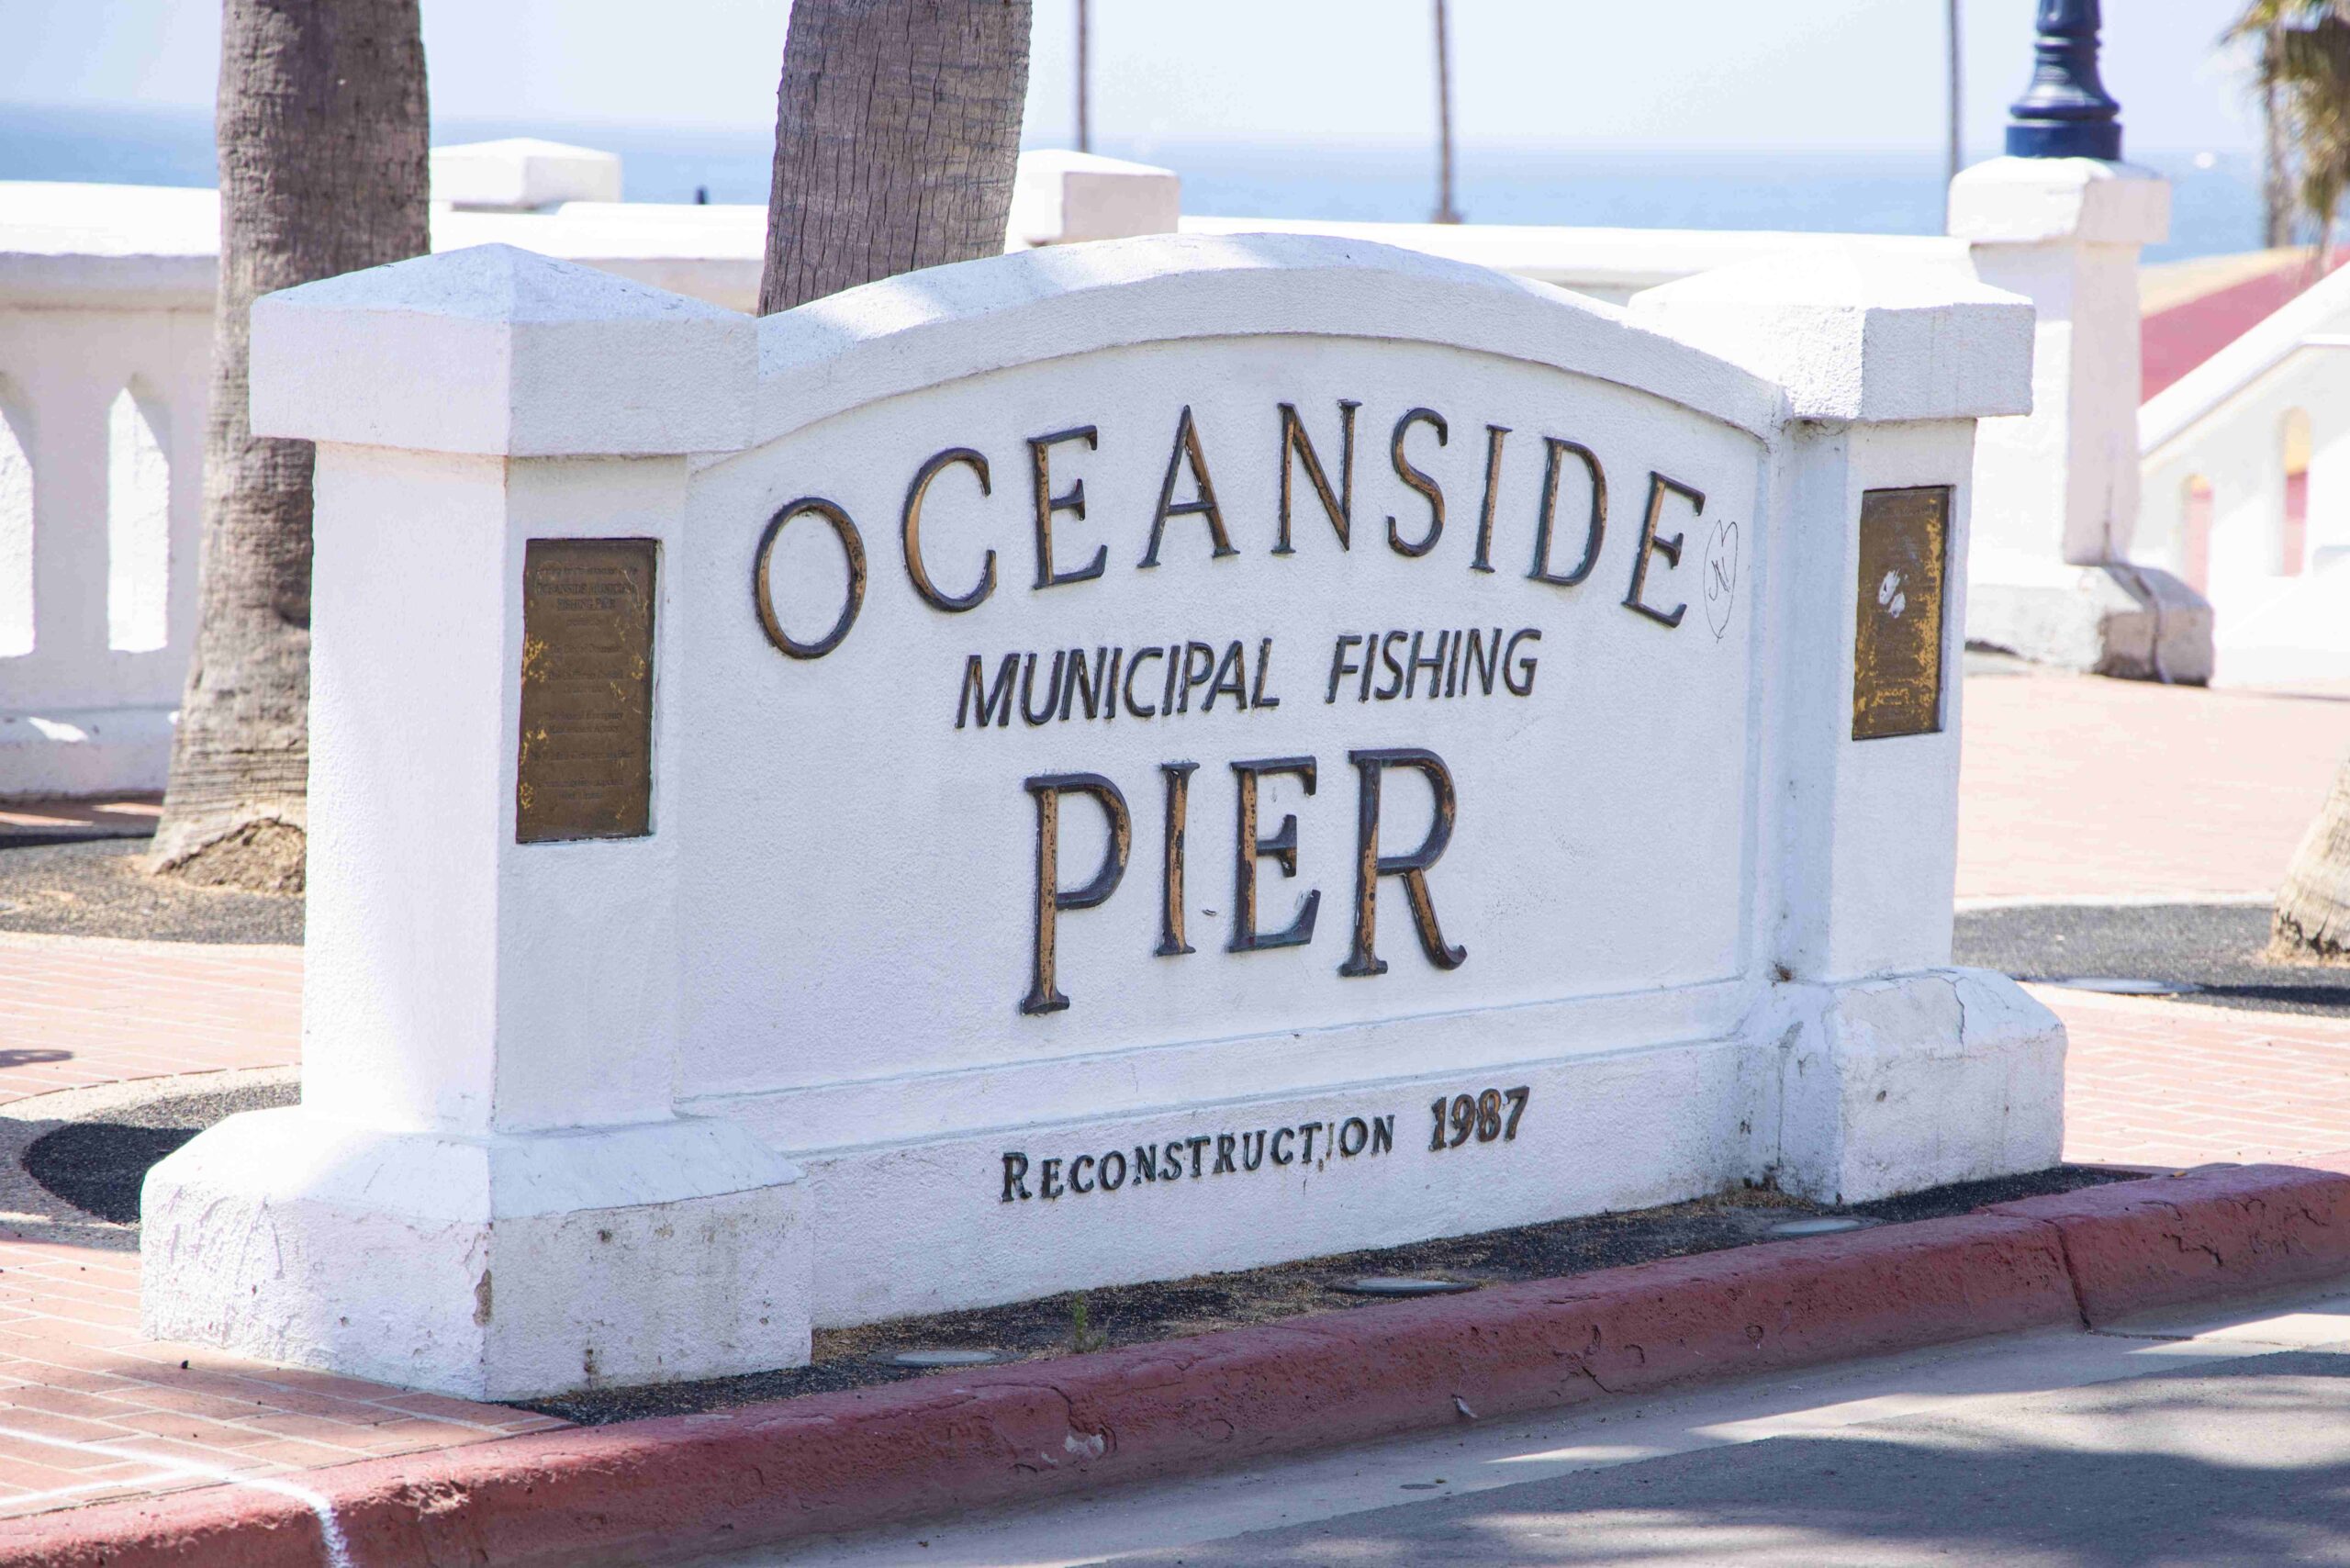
685	1485
2133	1246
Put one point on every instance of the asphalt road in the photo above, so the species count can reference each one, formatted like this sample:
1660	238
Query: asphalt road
2245	1463
2208	1438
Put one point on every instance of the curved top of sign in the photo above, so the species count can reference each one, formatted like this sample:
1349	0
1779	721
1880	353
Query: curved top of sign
560	359
946	323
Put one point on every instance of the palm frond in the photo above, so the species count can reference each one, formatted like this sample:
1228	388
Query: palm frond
2309	64
2259	16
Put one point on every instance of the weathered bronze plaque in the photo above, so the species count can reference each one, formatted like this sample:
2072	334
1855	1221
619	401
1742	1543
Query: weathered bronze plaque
1897	633
585	768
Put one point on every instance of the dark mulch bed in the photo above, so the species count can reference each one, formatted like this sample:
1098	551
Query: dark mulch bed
95	888
1129	1315
2215	948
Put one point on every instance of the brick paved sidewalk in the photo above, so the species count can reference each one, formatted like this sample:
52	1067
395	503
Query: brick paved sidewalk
2072	786
2153	1082
79	1010
129	815
88	1409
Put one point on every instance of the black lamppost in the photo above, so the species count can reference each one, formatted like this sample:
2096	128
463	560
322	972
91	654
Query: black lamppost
2066	112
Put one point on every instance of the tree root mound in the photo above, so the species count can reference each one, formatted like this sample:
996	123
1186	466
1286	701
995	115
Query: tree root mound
2290	943
264	856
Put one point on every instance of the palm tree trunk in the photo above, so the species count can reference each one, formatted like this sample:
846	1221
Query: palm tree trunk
2312	918
2275	186
322	139
897	137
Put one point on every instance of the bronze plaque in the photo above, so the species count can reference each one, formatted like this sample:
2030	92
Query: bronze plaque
585	768
1897	633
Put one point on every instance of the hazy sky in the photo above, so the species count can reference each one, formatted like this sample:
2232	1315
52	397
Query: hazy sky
1644	73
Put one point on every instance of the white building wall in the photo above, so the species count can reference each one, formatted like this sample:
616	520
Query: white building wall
2224	422
2329	499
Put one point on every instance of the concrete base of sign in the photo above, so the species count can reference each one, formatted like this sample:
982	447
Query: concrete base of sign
1890	1086
98	752
1842	1094
2138	622
497	1268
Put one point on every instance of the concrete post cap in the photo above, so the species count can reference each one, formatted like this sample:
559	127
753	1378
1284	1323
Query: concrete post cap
502	351
1060	197
2035	201
1871	332
523	173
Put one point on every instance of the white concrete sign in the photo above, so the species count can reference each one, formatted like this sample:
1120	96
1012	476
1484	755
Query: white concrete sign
1091	767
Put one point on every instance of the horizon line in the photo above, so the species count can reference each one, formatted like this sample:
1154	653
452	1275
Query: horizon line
1059	137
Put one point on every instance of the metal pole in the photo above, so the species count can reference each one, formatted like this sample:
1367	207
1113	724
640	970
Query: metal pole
1084	71
1957	109
1444	211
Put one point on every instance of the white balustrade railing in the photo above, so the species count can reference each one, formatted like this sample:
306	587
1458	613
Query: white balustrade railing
105	330
106	334
106	301
106	342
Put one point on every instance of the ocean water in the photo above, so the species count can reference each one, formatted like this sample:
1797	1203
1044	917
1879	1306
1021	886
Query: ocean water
2215	201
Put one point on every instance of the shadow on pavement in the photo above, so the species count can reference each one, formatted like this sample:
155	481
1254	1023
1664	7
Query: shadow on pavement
2244	1465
